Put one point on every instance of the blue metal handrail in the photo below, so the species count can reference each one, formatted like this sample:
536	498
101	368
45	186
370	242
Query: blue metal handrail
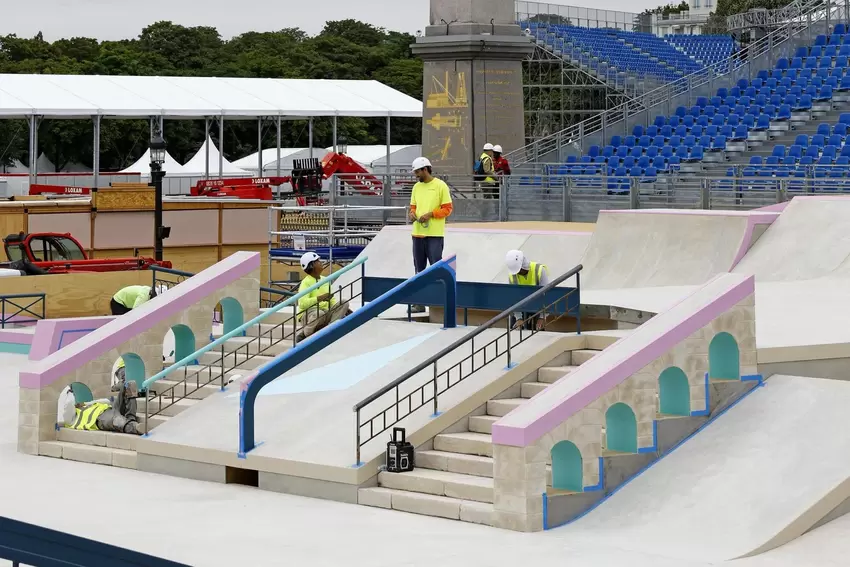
239	331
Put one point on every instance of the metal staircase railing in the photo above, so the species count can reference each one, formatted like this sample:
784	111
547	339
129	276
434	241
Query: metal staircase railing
662	98
191	382
394	406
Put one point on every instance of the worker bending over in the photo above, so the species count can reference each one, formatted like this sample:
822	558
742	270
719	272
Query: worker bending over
132	296
105	414
525	272
319	308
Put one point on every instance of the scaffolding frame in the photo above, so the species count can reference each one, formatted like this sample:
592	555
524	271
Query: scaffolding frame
335	234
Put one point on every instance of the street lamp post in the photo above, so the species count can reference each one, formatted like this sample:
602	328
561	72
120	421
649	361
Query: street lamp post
157	160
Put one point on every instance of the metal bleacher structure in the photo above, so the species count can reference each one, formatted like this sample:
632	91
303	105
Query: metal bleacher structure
740	128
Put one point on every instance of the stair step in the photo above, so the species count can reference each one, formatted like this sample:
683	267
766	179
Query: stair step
155	421
109	439
271	330
278	317
237	360
503	407
256	345
482	423
427	504
551	374
88	454
461	463
531	389
164	406
467	442
440	483
190	386
583	355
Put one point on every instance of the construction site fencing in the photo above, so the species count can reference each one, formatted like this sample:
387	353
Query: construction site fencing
816	17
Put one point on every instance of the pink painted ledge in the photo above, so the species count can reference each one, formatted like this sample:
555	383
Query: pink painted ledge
622	365
16	337
52	334
763	217
114	333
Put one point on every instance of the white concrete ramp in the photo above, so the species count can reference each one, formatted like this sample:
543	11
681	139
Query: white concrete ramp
759	476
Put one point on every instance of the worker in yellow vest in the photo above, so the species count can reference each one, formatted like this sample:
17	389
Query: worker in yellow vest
319	308
128	298
525	272
105	414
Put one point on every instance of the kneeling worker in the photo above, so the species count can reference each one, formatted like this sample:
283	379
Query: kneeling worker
525	272
132	296
319	308
105	414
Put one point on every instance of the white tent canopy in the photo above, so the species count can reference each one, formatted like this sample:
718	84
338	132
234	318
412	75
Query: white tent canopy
143	165
375	157
198	97
197	165
269	157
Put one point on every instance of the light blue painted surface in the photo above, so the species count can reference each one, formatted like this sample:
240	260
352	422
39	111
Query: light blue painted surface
15	348
344	373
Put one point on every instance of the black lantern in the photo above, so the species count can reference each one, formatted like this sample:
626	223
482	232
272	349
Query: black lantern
158	146
342	145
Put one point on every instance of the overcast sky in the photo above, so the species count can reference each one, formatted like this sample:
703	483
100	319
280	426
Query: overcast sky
119	19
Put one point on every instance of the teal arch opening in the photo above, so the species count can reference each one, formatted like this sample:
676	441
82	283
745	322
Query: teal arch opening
724	361
621	429
566	467
184	341
674	392
231	314
82	393
134	368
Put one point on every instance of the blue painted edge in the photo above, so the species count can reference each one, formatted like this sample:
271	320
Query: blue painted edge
545	511
647	467
62	335
707	410
597	487
511	365
437	414
752	378
358	465
241	455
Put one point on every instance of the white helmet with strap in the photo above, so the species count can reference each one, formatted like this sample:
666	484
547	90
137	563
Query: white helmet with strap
514	261
488	147
497	148
308	258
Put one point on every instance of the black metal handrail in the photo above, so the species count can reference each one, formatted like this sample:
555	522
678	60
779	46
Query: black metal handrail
30	308
179	276
270	296
405	405
163	398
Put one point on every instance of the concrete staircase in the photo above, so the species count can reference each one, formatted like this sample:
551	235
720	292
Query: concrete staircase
454	472
119	449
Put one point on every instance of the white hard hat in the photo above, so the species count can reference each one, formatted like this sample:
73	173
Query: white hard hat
514	260
421	162
497	148
488	146
308	258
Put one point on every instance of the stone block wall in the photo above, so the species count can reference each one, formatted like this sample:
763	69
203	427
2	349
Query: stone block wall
520	472
38	407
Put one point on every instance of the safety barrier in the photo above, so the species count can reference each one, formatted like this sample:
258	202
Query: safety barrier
18	308
162	399
442	381
443	271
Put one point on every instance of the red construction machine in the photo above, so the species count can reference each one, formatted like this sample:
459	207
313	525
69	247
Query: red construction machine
61	253
306	181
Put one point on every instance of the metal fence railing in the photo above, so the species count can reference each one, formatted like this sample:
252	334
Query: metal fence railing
816	18
21	308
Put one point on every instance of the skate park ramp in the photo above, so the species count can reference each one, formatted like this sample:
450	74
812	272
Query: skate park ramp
664	248
480	252
305	418
761	475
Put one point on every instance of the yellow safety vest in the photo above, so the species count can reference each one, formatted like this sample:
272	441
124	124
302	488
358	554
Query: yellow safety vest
86	419
484	157
531	278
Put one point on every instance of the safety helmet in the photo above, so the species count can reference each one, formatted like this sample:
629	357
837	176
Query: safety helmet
488	147
514	260
308	258
421	162
497	148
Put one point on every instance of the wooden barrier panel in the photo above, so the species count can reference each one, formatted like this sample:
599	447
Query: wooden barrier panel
76	295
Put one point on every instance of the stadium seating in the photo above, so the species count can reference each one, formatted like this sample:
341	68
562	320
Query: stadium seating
705	49
734	120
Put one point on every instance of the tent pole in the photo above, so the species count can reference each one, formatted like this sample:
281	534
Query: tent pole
259	147
207	156
32	148
387	181
278	153
35	149
220	146
334	186
310	136
96	150
336	149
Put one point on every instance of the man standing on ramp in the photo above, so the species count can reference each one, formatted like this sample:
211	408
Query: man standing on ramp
525	272
430	205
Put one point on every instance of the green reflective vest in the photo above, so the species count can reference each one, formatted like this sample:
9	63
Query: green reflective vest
531	278
86	418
